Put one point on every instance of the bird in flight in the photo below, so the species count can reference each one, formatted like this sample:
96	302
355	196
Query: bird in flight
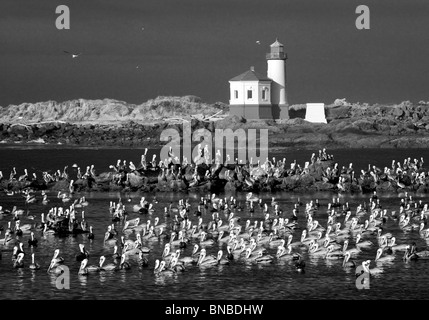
74	55
258	42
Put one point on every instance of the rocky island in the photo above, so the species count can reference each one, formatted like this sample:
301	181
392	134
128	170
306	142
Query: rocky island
111	122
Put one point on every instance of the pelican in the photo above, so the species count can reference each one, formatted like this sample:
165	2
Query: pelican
116	255
83	254
380	259
204	242
347	263
34	265
315	250
362	244
32	242
204	260
123	265
109	238
282	253
335	255
90	234
160	268
220	259
176	266
19	263
108	267
83	270
293	244
365	265
6	239
397	247
248	255
56	261
409	255
47	231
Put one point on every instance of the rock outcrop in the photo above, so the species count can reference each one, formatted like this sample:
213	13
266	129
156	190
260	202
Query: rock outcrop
115	123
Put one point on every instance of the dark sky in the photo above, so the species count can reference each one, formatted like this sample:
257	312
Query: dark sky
195	46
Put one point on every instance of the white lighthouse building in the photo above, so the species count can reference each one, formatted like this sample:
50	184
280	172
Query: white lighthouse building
254	96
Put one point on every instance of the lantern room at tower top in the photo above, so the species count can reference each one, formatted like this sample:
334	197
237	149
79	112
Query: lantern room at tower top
255	96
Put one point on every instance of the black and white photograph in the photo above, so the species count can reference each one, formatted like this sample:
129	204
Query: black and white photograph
214	157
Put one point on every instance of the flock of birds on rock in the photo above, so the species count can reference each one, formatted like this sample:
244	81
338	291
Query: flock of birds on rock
213	175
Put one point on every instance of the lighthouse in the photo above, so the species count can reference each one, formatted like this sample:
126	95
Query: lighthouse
256	96
276	60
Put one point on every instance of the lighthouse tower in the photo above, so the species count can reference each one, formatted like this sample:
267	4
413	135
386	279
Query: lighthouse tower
276	71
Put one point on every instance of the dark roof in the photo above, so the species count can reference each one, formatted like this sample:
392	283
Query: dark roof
250	75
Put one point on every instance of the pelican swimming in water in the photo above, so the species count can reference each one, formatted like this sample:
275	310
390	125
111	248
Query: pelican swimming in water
107	267
293	244
123	265
83	254
397	247
315	250
7	238
47	231
373	271
204	242
285	254
362	244
56	259
380	259
34	265
91	234
160	268
347	263
83	270
220	259
109	237
32	242
176	266
206	261
248	255
411	255
19	262
332	254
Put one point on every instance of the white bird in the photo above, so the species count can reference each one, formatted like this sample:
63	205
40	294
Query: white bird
376	270
258	42
74	55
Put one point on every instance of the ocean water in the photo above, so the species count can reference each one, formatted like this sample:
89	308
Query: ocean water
323	279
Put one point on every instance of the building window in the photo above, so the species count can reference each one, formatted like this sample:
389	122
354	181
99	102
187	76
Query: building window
249	94
235	94
265	93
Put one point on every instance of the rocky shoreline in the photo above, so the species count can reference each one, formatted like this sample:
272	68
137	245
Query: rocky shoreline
294	133
349	125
